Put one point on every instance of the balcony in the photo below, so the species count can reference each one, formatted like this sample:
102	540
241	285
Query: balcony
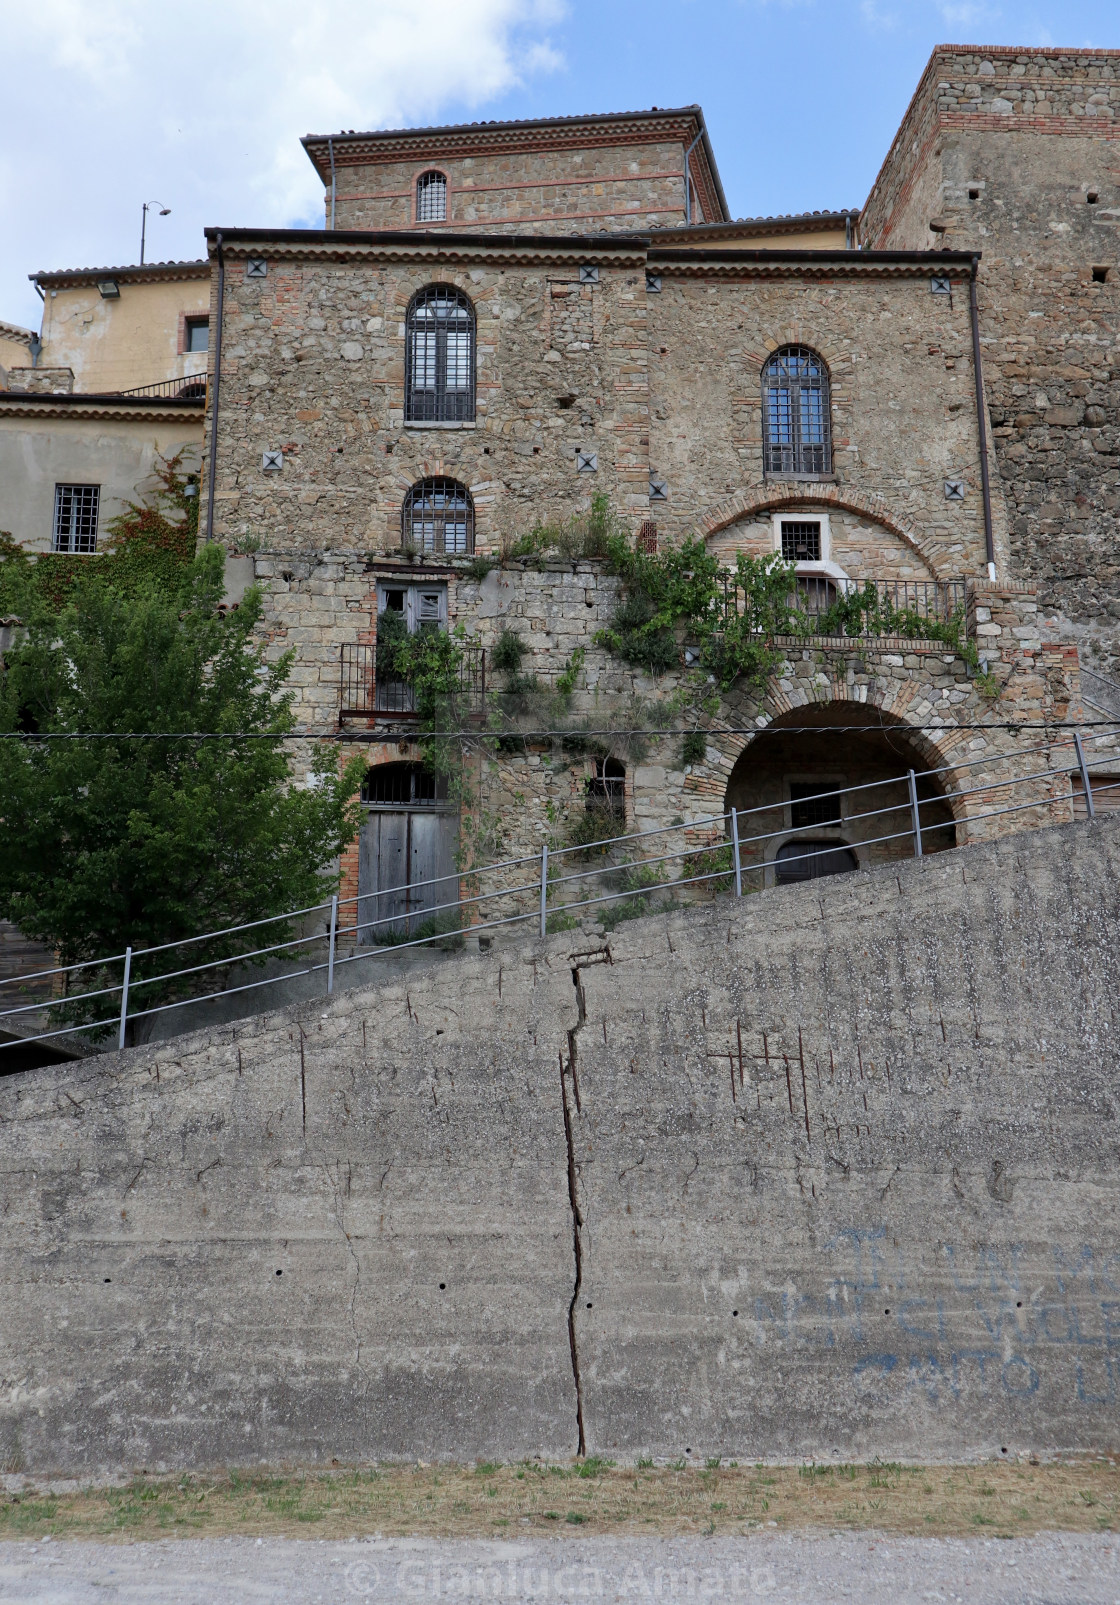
823	605
367	695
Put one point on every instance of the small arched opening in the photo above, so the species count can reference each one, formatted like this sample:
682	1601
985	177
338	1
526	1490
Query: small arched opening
825	790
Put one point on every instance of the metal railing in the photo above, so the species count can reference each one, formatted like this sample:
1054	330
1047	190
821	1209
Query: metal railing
721	852
366	694
190	388
823	605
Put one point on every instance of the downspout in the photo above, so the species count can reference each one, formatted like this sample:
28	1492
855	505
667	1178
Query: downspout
211	476
334	186
981	422
688	180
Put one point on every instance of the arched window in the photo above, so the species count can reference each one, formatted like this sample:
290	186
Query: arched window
431	198
439	357
438	516
797	435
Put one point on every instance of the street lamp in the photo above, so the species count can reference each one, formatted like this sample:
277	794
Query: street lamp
164	211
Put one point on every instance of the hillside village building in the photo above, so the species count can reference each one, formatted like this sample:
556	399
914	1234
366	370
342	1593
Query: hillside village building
504	324
501	320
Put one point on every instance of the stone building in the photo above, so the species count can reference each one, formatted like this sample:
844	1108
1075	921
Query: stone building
501	322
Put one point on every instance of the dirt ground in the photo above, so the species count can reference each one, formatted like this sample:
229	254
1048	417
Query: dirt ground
590	1497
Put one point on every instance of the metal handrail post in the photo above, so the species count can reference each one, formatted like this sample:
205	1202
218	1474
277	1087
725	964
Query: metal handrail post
124	996
1085	782
917	818
735	851
544	890
330	951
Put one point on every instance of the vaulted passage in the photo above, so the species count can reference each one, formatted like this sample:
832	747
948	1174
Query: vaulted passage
817	797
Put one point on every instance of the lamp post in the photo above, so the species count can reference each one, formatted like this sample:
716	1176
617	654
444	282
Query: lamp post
164	211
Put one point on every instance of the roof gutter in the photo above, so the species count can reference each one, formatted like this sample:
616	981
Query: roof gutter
981	420
211	471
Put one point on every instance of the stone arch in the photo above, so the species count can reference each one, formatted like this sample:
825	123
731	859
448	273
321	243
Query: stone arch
809	751
786	493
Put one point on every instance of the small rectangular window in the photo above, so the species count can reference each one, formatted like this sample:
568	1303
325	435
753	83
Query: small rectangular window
812	804
801	541
75	517
196	335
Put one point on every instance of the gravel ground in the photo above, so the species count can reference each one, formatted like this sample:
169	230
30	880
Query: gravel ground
1055	1569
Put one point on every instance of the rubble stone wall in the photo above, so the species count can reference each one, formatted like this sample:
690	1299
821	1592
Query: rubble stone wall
827	1172
1013	155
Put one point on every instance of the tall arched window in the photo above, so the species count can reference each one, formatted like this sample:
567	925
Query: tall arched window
439	357
438	516
797	436
431	198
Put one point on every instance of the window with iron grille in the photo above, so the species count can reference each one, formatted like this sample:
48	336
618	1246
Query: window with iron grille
607	787
403	785
439	357
431	198
438	516
812	804
795	414
75	517
801	540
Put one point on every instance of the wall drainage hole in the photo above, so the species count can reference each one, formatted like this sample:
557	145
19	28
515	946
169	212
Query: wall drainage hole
443	1287
589	1306
886	1312
734	1312
1003	1451
279	1273
108	1278
1018	1304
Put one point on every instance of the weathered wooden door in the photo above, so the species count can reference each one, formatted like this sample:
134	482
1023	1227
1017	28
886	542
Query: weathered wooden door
406	871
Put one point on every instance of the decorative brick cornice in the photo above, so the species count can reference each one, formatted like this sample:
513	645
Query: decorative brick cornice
150	273
787	493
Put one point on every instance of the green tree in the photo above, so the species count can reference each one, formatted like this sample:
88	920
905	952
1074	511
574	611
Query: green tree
112	842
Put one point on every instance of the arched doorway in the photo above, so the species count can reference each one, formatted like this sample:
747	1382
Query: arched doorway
815	797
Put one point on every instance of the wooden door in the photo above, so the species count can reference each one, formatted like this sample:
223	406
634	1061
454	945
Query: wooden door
406	870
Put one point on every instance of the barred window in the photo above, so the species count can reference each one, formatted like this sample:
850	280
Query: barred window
439	357
431	198
606	789
403	785
438	516
797	436
75	517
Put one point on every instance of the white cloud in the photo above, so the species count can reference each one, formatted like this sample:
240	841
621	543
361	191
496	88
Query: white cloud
112	102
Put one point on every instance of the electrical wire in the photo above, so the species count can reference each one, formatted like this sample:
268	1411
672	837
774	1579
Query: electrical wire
347	737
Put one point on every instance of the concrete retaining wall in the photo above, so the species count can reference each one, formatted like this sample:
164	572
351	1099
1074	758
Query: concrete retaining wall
832	1170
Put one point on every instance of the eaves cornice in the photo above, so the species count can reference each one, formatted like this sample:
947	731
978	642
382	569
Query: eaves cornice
520	250
764	264
129	409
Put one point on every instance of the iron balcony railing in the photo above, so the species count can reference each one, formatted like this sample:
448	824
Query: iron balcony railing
190	388
365	694
822	605
731	852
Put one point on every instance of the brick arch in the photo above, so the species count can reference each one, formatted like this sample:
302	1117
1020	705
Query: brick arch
830	689
777	494
836	360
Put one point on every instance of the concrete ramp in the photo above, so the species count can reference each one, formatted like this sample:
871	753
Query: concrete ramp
832	1170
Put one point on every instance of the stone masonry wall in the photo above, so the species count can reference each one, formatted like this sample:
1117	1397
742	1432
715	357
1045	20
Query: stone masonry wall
830	1172
638	186
1014	154
903	403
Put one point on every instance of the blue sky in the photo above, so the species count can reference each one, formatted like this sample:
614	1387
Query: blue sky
113	102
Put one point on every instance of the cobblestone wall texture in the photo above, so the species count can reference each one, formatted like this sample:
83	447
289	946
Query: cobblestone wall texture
827	1172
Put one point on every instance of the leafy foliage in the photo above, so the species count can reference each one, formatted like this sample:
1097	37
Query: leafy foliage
583	535
678	596
429	659
152	540
106	843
